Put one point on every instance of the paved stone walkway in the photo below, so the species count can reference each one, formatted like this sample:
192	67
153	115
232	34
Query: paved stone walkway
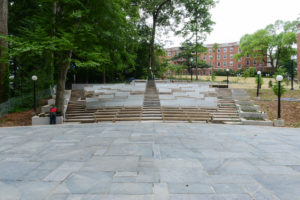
149	161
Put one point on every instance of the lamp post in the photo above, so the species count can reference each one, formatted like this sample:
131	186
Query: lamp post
11	78
34	78
292	72
279	79
191	69
258	83
227	70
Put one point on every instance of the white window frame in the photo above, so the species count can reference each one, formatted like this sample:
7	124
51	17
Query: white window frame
254	62
219	50
231	56
225	50
224	64
247	62
231	49
169	53
224	56
210	50
218	64
239	66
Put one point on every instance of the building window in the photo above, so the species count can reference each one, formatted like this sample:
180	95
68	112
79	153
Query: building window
224	64
210	57
181	59
231	56
231	63
231	49
209	72
240	50
219	56
210	50
248	62
204	57
240	59
219	64
254	62
239	66
254	55
169	53
225	50
248	55
219	50
225	56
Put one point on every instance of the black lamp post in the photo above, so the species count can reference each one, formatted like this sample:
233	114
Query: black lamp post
34	78
227	70
258	83
279	79
191	70
11	86
292	72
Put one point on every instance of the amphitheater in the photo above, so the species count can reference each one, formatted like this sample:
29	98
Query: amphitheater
152	101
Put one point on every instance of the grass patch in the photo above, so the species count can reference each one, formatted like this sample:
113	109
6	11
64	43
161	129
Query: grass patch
254	118
267	94
245	110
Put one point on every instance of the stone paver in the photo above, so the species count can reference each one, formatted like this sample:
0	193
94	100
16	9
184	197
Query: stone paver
149	161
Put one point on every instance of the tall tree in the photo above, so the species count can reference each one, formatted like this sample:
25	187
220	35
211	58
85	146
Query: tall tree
197	22
271	44
90	34
161	12
3	47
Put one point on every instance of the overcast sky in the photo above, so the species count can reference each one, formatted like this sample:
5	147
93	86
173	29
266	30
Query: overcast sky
235	18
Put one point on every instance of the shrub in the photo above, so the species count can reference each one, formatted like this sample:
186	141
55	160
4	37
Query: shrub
275	89
213	76
270	83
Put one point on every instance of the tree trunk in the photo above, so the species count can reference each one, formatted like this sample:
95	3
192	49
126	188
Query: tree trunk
61	82
196	55
3	46
151	53
52	56
104	75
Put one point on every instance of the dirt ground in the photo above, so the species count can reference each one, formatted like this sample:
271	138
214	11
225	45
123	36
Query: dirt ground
290	111
17	119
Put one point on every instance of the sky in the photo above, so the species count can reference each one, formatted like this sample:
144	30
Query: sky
235	18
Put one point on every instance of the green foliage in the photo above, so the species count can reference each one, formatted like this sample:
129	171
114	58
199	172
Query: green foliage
270	83
213	76
259	80
246	74
275	89
275	42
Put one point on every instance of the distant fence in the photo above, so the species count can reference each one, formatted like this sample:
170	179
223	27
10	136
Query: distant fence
23	101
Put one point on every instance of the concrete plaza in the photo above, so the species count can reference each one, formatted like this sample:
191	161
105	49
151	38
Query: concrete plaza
149	161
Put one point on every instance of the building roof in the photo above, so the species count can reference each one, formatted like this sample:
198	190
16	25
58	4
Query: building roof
232	44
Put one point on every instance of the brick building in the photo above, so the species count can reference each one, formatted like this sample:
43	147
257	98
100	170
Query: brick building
298	50
221	57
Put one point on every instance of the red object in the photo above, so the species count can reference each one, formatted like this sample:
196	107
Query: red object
53	110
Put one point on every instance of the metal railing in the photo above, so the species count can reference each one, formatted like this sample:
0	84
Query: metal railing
23	102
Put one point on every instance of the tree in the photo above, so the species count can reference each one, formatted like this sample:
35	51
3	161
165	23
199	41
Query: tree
3	48
197	22
91	34
161	12
170	12
271	44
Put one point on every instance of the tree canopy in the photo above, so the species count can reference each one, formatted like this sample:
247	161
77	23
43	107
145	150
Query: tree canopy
272	44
